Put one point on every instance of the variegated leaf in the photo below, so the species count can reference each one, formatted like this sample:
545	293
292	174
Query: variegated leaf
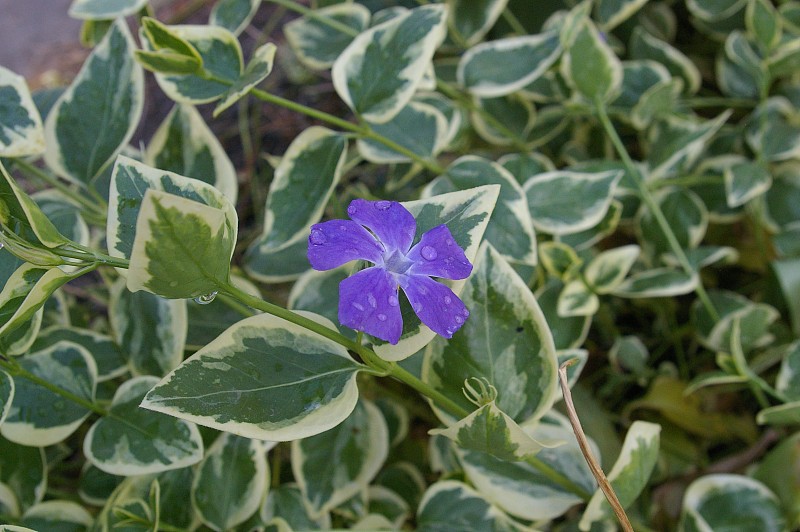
512	119
257	69
182	248
676	144
606	271
589	65
105	9
505	340
577	299
333	466
110	360
379	71
746	181
41	417
611	13
500	67
318	292
263	378
59	515
451	505
286	502
644	46
6	394
418	127
21	131
658	282
466	213
233	15
510	228
724	501
64	213
97	115
568	332
788	380
185	145
471	20
23	469
231	481
316	44
135	441
755	319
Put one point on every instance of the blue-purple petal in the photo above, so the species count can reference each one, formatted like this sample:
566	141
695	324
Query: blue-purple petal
438	254
390	221
337	242
368	302
435	304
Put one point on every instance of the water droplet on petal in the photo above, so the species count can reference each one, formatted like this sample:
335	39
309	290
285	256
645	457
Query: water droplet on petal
318	237
343	228
449	241
418	308
393	301
447	300
428	253
382	317
383	205
422	290
351	210
459	319
205	299
358	306
372	301
465	312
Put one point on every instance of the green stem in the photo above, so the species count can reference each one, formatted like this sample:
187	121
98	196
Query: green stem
646	196
91	255
712	101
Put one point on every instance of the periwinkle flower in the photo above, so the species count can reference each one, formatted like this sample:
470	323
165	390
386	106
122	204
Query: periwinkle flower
381	232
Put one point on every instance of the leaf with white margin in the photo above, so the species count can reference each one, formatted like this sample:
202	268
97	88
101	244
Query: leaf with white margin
658	282
233	15
15	528
257	69
64	213
607	270
515	114
756	320
589	65
418	127
335	465
611	13
98	113
630	473
454	115
105	9
184	144
221	57
24	470
490	430
387	504
574	370
505	340
577	299
564	202
263	378
779	415
745	181
129	182
637	77
280	265
452	505
788	380
151	329
318	292
57	515
500	67
40	417
568	332
678	143
510	228
182	248
379	71
6	394
703	256
644	46
519	488
21	131
316	44
286	502
231	481
135	441
714	10
8	502
732	502
471	20
466	214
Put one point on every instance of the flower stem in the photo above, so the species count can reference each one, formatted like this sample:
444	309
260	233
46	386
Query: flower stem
652	205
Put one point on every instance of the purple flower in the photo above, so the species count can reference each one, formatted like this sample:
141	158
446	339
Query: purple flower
381	232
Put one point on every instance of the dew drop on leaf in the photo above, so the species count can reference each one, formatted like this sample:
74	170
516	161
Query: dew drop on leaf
205	299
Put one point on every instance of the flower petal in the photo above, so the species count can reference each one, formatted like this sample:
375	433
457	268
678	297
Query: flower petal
368	302
435	304
438	254
337	242
390	221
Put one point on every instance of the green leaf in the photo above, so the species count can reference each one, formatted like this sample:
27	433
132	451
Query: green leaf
40	417
568	332
278	265
500	67
152	330
631	471
756	320
512	119
286	502
780	415
686	215
490	430
130	181
418	127
182	248
168	62
577	299
379	71
452	505
105	9
735	502
257	69
21	132
471	20
24	470
231	481
505	341
658	282
184	144
643	45
57	515
772	132
98	113
677	144
316	44
233	15
776	471
95	486
638	76
510	228
318	292
611	13
387	504
564	202
559	259
333	466
589	65
787	277
6	394
466	213
134	441
65	215
714	10
263	378
746	181
606	271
